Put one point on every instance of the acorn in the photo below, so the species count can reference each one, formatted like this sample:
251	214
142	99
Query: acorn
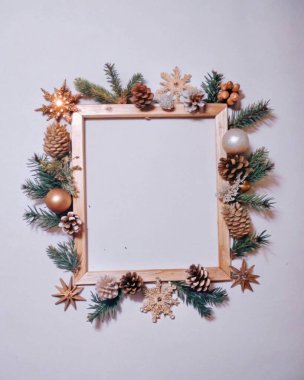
236	87
245	186
229	85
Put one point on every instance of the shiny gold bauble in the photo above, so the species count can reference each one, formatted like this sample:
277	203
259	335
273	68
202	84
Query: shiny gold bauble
245	186
58	200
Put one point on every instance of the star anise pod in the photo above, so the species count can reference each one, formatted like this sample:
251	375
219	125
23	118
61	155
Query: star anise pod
243	276
68	294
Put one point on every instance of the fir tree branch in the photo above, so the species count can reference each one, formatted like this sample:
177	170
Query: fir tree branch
250	116
42	218
93	91
249	244
64	256
260	163
104	309
136	78
212	86
256	201
113	78
201	301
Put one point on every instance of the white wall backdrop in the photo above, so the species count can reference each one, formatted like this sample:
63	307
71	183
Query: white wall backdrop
259	44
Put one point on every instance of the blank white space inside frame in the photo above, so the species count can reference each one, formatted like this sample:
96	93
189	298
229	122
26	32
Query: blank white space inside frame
151	188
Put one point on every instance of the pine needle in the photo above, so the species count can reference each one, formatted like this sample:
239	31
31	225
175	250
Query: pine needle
249	244
104	309
113	78
251	116
93	91
42	218
256	201
201	301
261	165
212	86
64	256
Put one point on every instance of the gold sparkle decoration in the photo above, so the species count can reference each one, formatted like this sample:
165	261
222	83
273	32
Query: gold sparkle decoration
62	103
159	300
243	276
68	294
174	84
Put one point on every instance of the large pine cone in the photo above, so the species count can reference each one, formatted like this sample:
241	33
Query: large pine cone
70	223
232	166
237	220
131	283
198	278
142	96
57	142
107	288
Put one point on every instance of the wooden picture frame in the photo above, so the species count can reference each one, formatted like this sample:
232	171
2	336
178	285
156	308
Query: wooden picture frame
218	112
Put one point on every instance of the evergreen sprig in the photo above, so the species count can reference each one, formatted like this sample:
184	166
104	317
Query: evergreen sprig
250	116
45	180
42	218
256	201
260	163
203	301
64	256
104	309
249	244
212	86
104	96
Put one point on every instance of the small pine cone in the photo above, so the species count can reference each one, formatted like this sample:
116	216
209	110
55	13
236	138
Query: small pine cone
142	96
234	165
131	283
198	278
70	223
107	288
237	220
57	142
193	100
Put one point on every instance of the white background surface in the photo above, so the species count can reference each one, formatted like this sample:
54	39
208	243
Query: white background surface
258	335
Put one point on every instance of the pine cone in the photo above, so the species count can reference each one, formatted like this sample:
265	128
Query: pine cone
70	223
229	168
237	220
131	283
198	278
57	142
193	100
142	96
166	101
107	288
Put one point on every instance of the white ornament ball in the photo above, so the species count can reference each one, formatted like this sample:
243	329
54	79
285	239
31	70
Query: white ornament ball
235	141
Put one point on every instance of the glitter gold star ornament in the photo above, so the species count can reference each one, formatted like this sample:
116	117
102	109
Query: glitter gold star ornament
243	276
68	294
159	300
62	103
174	84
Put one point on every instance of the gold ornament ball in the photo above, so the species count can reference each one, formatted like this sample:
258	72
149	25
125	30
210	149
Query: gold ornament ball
58	200
245	186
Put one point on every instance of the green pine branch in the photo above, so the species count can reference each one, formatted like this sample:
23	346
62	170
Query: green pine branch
203	301
42	218
249	244
250	116
256	201
260	163
64	256
212	86
113	79
48	175
104	309
101	94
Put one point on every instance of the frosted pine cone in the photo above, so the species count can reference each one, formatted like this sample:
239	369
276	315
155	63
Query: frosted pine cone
166	101
193	100
107	288
70	223
198	278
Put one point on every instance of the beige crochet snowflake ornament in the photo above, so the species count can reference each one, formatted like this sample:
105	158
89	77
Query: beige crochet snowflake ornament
174	84
159	300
